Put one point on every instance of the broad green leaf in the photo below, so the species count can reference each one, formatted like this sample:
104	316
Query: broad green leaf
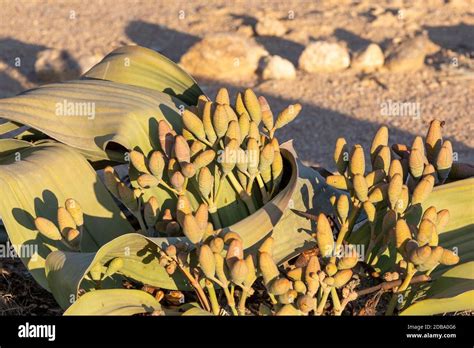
114	302
34	181
453	291
140	66
66	271
93	115
458	235
9	146
196	311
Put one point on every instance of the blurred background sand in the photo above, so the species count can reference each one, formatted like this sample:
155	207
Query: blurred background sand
345	103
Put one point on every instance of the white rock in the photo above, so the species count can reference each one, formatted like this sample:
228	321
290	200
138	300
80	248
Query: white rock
270	27
278	68
54	65
224	56
369	59
322	56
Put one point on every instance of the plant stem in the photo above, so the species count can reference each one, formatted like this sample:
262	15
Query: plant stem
243	299
230	300
323	301
411	270
212	297
335	299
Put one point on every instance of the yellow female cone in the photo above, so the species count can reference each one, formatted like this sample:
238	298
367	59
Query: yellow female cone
448	258
395	190
342	277
207	122
194	124
111	180
228	158
177	181
382	159
235	252
300	287
403	200
220	121
240	107
253	155
188	169
202	216
324	236
267	115
425	232
416	162
181	149
156	163
444	160
47	228
204	159
380	140
253	131
342	207
430	214
287	115
216	245
402	234
433	260
147	180
205	182
306	303
191	229
252	105
341	155
207	261
266	156
418	144
138	161
423	190
369	209
357	161
202	100
233	132
442	219
395	168
375	177
244	126
239	271
419	255
360	187
166	137
288	310
331	269
151	211
74	208
267	267
434	140
222	96
280	286
339	182
65	221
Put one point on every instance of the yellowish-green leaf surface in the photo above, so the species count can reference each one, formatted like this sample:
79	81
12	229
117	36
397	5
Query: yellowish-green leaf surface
453	291
90	115
35	181
114	302
143	67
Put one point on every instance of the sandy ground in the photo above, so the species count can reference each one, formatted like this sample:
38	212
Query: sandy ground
335	104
